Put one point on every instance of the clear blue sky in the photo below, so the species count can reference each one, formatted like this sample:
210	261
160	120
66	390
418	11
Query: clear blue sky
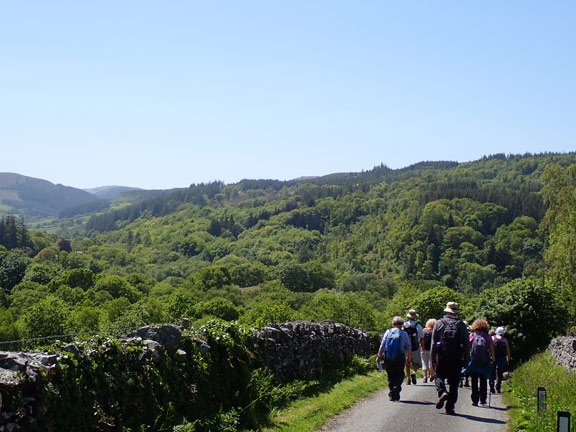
161	94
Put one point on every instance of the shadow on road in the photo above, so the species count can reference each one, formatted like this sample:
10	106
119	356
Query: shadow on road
411	402
497	408
481	419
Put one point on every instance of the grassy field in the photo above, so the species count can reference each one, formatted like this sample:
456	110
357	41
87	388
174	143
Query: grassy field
309	414
540	371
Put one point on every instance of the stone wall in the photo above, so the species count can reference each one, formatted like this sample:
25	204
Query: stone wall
564	350
292	350
301	350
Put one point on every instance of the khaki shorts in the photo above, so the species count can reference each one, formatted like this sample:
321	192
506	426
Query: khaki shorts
426	360
416	357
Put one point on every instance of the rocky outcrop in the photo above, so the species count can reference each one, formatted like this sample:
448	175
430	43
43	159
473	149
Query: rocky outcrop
564	350
301	350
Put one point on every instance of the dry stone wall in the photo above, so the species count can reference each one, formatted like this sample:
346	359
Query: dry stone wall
301	350
294	350
564	350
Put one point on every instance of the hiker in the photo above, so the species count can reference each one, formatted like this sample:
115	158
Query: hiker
416	334
427	344
450	351
481	358
502	354
395	349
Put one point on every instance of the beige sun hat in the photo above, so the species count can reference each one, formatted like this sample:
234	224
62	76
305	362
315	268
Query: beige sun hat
412	314
452	307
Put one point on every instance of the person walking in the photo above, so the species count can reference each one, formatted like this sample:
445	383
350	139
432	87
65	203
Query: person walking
502	358
450	352
395	350
481	358
416	333
427	345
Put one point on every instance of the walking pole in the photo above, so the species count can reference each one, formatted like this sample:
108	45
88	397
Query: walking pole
489	392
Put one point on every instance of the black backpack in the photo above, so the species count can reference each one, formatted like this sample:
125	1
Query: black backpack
500	348
451	341
413	333
427	339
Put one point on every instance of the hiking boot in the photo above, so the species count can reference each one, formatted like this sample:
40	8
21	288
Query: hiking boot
425	380
396	393
474	403
441	400
450	411
492	390
413	376
483	403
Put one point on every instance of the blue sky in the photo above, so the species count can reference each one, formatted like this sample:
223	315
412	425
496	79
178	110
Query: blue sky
164	94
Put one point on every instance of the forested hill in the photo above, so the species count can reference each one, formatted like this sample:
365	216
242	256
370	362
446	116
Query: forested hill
471	226
357	248
34	198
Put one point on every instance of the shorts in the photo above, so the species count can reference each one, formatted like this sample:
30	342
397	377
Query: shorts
426	360
416	358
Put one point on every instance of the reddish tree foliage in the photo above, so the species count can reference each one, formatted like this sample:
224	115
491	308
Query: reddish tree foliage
65	245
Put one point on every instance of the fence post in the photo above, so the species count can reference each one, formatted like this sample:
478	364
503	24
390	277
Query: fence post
541	399
563	422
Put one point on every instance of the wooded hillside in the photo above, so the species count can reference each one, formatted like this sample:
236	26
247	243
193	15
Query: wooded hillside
357	248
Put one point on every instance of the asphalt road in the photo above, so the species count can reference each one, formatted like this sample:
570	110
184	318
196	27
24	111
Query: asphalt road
416	411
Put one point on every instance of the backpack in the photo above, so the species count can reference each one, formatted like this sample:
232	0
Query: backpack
479	351
450	343
427	340
500	347
392	344
412	331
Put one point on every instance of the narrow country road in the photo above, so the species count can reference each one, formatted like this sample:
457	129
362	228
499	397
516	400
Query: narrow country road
416	411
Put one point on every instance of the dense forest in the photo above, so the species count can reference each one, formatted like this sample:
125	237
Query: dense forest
497	234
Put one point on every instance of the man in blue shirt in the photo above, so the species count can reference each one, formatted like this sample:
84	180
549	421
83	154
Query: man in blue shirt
395	349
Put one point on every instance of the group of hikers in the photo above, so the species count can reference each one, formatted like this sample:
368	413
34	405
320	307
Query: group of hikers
448	350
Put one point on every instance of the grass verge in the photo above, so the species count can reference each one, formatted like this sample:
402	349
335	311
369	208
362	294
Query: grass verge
540	371
309	414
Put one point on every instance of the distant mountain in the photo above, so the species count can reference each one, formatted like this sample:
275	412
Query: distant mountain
110	192
34	198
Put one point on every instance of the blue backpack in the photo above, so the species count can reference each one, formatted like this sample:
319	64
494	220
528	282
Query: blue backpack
392	344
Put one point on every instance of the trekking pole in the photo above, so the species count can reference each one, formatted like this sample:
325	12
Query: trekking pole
490	398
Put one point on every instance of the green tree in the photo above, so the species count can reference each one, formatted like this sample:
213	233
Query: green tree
87	318
431	303
212	277
268	312
49	317
530	311
12	269
79	278
217	307
560	222
8	329
349	309
41	273
118	287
